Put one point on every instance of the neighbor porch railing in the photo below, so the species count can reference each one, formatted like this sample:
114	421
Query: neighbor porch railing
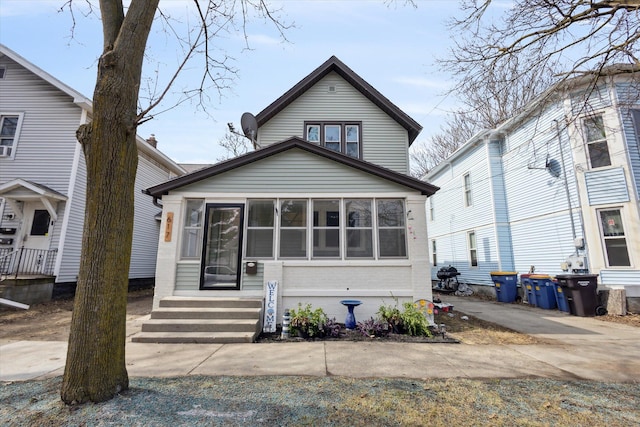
27	262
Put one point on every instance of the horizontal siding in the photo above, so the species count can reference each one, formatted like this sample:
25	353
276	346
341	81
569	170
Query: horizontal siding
451	214
47	140
620	277
543	242
384	141
294	171
606	186
187	277
146	229
632	140
253	281
586	101
70	263
453	250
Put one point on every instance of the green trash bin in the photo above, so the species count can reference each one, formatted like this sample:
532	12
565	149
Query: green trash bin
506	284
581	292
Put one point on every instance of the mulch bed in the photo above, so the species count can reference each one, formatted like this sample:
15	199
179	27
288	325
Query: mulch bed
355	335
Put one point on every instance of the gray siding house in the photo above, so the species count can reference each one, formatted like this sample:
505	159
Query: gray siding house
42	180
324	207
555	189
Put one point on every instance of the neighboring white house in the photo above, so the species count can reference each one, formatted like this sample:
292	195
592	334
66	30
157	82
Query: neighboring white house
43	176
324	206
555	188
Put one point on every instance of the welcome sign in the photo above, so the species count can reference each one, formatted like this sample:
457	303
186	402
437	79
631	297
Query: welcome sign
271	306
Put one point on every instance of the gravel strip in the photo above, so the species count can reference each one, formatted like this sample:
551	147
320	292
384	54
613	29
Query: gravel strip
331	401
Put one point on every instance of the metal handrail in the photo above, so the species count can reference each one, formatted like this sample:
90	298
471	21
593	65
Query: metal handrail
26	261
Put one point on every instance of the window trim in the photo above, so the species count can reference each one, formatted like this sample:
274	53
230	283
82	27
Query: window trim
199	231
603	238
589	143
16	135
466	180
472	250
434	253
344	143
275	229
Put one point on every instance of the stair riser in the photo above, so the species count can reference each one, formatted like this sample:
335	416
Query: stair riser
160	314
182	340
204	303
198	327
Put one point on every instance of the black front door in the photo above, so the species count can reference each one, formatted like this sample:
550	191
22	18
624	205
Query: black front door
222	249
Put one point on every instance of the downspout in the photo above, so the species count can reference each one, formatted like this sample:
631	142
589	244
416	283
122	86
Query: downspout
566	182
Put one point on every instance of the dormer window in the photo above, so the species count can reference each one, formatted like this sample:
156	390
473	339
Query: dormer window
337	136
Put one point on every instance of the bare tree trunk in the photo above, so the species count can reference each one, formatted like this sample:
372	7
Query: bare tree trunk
95	369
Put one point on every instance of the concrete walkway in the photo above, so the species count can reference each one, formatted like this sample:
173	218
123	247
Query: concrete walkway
579	348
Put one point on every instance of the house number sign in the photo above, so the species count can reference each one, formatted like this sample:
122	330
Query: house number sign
168	228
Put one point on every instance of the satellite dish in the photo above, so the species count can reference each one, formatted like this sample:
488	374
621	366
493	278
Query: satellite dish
249	126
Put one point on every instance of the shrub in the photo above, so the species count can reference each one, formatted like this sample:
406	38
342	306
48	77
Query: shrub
332	328
414	321
392	316
307	322
373	328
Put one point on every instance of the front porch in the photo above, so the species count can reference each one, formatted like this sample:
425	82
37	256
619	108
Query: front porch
27	275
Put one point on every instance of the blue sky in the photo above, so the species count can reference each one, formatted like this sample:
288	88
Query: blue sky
392	47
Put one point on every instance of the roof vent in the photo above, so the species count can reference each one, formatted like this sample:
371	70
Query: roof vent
332	88
2	72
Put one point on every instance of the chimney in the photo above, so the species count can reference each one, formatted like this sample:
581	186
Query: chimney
152	141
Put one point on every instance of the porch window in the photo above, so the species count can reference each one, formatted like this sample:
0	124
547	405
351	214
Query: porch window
615	242
596	139
293	228
473	250
391	229
9	126
359	228
342	137
260	226
192	235
326	228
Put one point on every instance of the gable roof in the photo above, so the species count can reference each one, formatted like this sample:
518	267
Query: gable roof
415	184
78	98
333	64
86	104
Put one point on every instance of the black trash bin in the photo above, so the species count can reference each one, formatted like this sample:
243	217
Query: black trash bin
581	291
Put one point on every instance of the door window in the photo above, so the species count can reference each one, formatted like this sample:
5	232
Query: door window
40	225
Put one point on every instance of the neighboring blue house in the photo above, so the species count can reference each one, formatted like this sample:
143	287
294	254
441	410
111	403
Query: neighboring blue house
555	188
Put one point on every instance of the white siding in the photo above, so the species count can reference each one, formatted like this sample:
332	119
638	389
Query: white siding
606	186
384	141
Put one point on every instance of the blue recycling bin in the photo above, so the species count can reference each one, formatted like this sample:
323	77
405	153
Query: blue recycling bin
506	285
561	298
527	286
544	290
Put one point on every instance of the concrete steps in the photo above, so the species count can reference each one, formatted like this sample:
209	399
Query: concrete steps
203	320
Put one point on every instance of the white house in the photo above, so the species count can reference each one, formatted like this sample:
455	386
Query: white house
42	183
555	188
324	207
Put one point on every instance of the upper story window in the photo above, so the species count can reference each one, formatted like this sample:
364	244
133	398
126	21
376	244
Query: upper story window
9	130
467	190
337	136
596	139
